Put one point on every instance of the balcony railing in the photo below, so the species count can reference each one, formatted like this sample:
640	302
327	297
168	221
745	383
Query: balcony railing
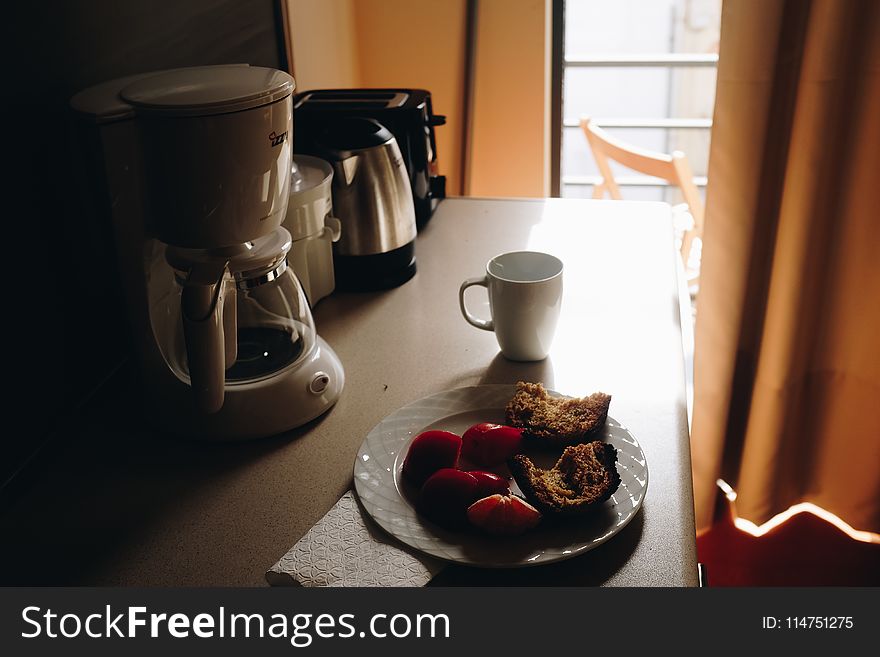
627	181
658	60
676	124
663	60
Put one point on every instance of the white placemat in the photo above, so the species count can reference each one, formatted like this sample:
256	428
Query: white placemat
345	549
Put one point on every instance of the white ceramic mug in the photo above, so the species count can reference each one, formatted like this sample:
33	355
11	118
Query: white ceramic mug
525	296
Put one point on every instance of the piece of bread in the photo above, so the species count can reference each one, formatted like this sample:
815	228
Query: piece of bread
555	421
583	477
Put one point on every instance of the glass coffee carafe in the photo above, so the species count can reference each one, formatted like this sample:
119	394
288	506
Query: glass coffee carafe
237	315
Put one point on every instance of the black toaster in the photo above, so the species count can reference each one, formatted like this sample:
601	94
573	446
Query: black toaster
406	113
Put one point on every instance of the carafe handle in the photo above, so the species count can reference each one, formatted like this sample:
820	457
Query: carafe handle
204	333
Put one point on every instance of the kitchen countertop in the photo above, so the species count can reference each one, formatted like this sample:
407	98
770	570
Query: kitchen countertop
118	503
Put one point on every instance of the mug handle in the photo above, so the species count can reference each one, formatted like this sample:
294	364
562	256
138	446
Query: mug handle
485	324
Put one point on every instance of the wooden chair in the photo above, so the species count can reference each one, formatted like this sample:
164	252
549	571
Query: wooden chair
672	168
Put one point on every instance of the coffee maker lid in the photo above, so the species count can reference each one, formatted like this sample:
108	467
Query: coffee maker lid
206	90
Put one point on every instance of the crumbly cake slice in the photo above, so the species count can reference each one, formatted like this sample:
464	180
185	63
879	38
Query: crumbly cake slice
556	421
583	477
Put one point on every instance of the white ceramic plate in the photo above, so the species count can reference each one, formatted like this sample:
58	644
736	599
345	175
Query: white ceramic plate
389	500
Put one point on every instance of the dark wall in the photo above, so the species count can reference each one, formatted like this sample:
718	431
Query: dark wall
65	324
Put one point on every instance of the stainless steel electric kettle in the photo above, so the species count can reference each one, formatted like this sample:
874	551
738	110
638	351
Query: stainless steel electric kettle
373	200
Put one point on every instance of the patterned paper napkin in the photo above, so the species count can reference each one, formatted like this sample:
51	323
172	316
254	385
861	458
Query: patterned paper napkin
345	549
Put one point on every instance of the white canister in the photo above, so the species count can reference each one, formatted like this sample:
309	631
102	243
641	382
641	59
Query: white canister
312	226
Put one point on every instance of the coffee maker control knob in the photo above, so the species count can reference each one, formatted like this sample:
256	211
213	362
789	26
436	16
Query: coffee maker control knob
319	383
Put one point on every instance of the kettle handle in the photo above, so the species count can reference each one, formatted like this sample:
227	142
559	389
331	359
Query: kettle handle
201	306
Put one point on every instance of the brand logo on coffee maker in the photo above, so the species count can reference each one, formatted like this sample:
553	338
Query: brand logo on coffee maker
275	140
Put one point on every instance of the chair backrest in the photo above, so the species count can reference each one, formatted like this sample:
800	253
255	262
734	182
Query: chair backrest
673	168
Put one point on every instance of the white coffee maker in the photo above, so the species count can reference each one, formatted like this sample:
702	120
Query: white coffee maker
196	167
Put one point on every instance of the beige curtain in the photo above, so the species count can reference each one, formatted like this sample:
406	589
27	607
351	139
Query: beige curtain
787	361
